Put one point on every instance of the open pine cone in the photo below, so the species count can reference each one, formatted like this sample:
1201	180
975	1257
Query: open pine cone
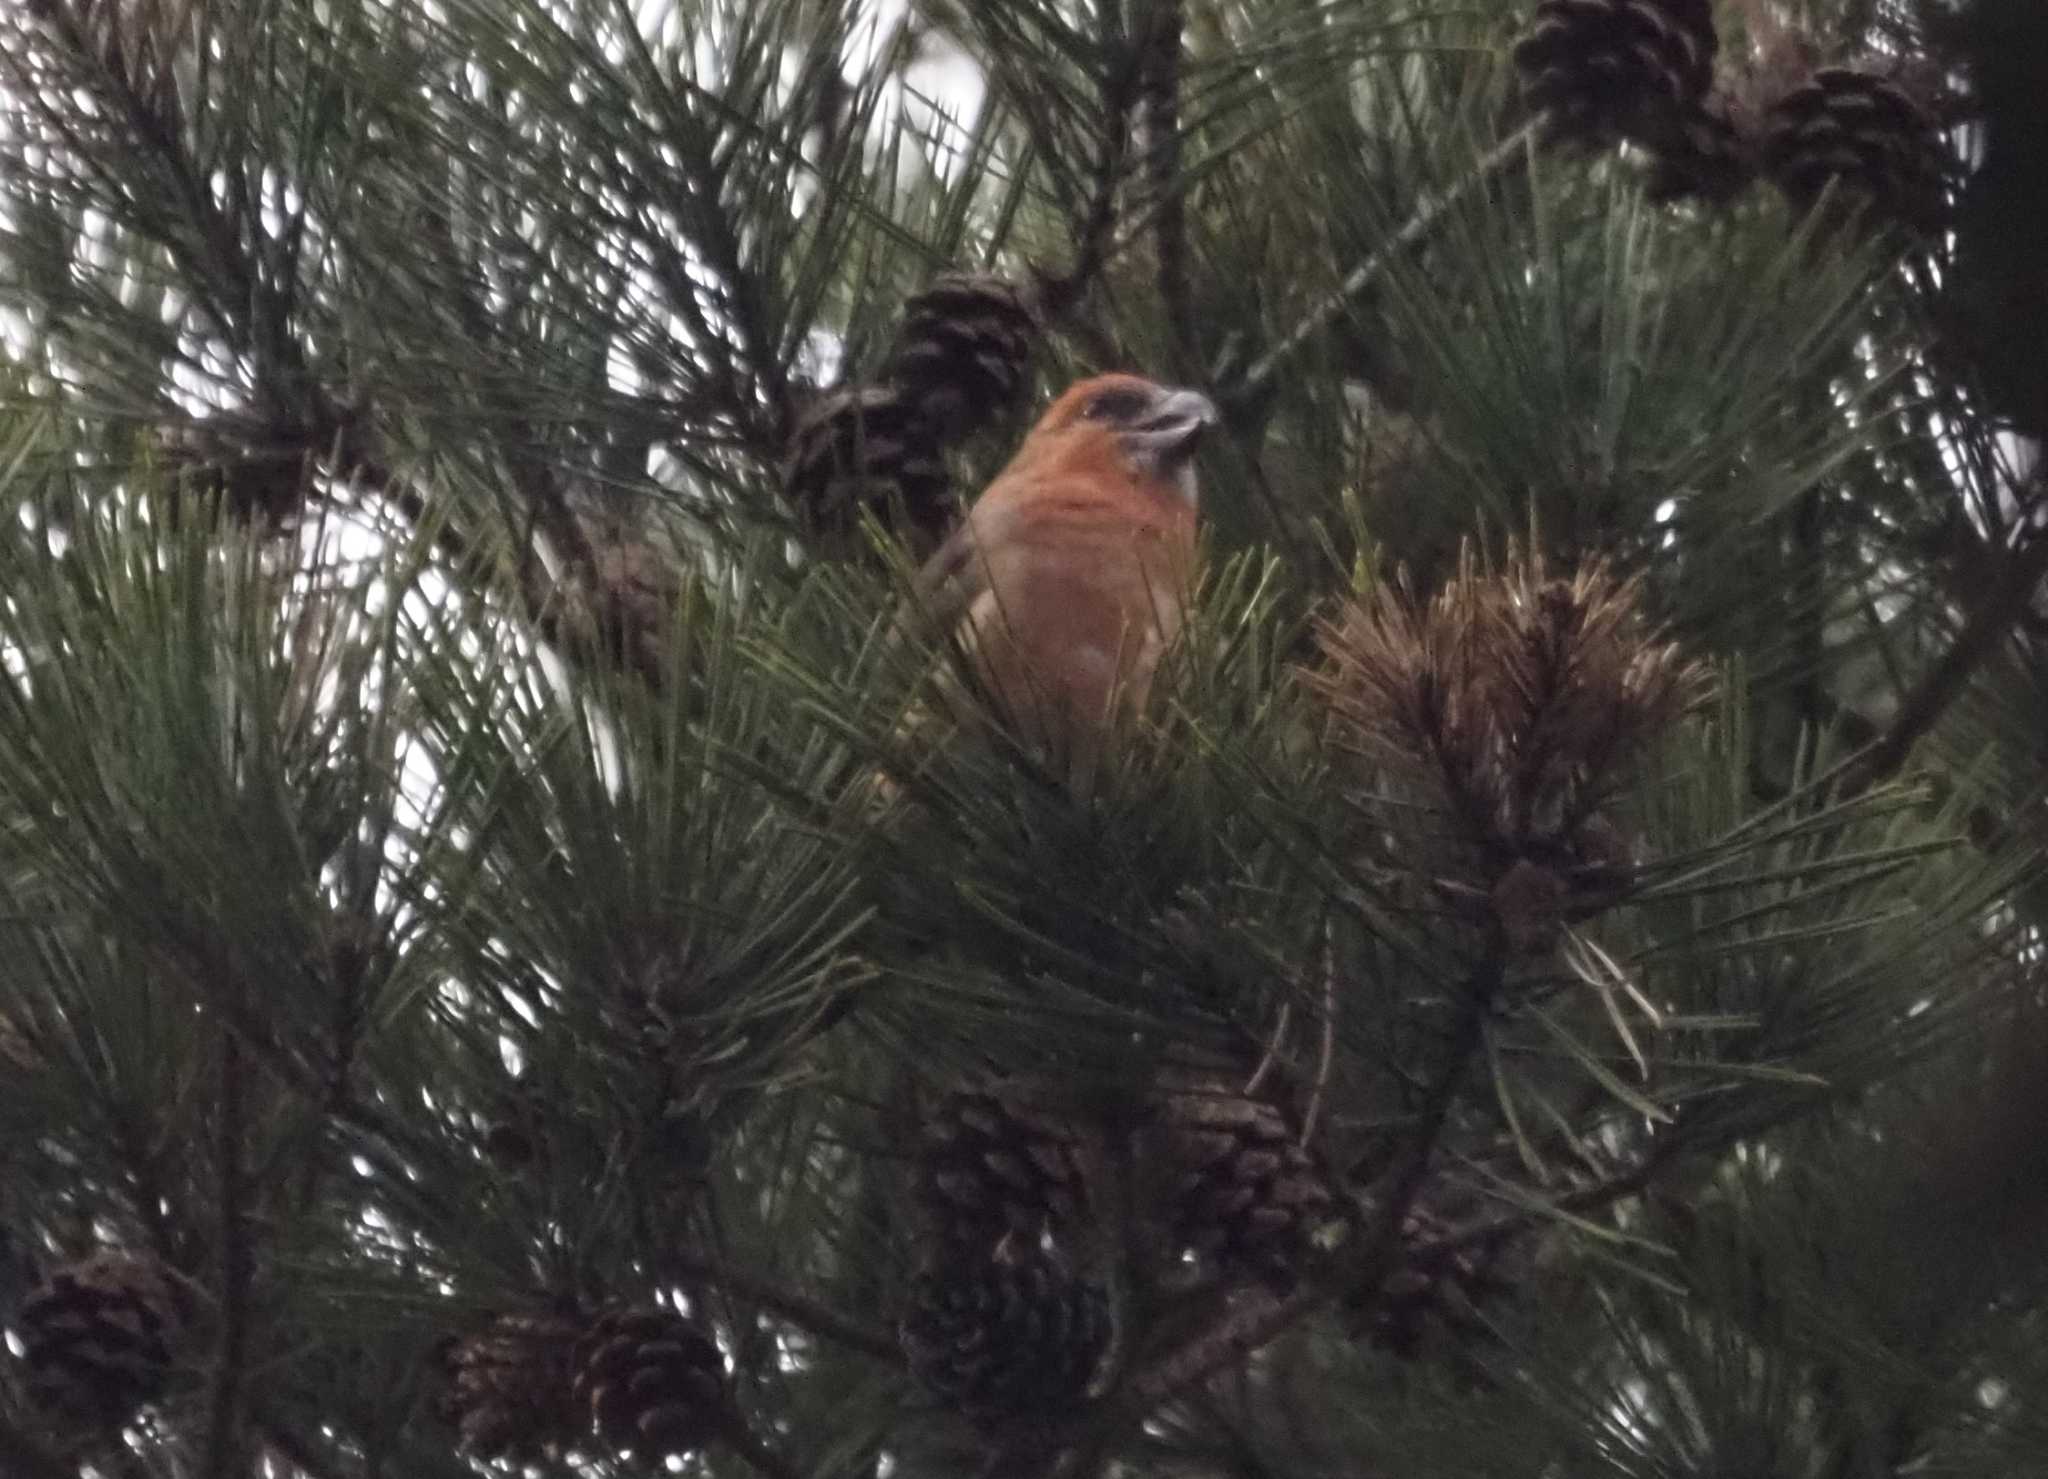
963	354
1870	133
999	1338
995	1164
99	1337
1242	1188
1602	69
650	1382
867	449
507	1391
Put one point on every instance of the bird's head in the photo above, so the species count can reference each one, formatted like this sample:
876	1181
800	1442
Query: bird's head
1151	430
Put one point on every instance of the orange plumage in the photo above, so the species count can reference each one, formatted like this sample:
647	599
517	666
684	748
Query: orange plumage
1067	578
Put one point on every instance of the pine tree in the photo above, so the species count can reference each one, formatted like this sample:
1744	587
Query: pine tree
505	967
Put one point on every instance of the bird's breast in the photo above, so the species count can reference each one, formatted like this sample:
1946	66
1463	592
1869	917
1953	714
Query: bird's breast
1079	601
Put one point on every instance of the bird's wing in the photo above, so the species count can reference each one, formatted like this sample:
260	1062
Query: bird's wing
955	576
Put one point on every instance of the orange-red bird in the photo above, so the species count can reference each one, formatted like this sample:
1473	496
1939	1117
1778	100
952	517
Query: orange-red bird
1067	578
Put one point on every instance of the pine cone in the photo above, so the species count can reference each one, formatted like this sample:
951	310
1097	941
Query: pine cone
864	450
994	1164
1709	153
1606	68
98	1338
1866	130
650	1382
508	1391
1242	1188
1001	1338
963	355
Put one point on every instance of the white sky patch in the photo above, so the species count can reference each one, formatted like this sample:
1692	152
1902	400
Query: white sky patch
660	23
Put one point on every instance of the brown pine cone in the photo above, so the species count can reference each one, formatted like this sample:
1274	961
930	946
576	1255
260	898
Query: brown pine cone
961	357
1616	68
1001	1338
1241	1187
963	354
995	1164
1871	133
868	450
650	1382
507	1389
99	1338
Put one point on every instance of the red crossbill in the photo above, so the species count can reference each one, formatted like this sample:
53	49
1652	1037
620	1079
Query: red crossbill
1067	578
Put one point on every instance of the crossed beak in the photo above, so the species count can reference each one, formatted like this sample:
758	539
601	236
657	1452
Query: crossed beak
1167	436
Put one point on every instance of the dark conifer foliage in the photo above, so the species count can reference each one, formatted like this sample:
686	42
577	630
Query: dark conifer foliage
520	954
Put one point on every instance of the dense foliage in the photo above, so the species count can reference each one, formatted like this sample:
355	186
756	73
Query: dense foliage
512	954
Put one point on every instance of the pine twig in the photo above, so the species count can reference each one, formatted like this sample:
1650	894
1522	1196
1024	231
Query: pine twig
1270	1058
1159	105
225	280
715	235
1488	1231
1245	1326
1944	682
1326	1055
223	1425
1513	152
1058	294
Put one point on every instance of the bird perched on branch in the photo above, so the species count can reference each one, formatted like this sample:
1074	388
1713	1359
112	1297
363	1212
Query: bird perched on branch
1066	581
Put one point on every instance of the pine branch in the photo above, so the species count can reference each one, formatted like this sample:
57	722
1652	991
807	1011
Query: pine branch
1258	1318
1510	154
1059	294
224	1416
145	1189
1493	1230
1159	92
717	239
543	495
226	276
1943	683
245	1028
683	293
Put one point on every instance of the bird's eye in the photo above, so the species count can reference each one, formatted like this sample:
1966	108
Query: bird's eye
1114	405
